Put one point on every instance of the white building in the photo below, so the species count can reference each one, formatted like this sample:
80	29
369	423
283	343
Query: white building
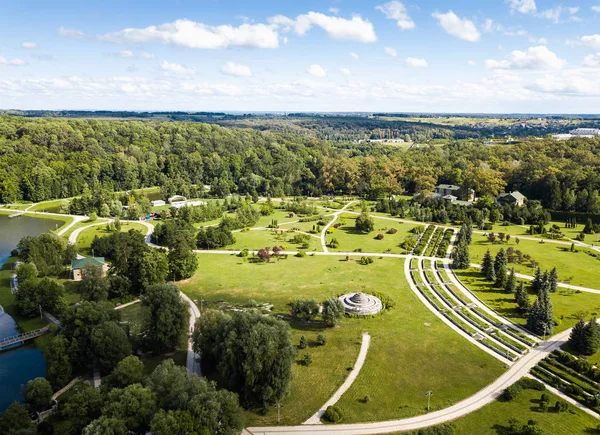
157	203
586	132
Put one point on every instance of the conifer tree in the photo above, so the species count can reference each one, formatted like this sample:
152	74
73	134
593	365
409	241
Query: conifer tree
522	298
487	266
553	280
536	284
591	341
540	318
577	337
500	268
461	257
511	283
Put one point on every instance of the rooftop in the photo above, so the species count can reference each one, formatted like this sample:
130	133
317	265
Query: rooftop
80	263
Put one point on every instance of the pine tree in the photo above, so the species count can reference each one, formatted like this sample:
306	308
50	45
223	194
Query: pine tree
492	276
461	257
522	298
591	341
487	266
511	283
577	337
468	231
541	319
500	268
553	280
536	284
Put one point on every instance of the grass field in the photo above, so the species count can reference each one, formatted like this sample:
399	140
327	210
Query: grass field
257	239
577	268
493	418
410	350
86	237
350	239
569	306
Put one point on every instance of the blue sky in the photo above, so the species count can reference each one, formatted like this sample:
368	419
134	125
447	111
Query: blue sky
538	56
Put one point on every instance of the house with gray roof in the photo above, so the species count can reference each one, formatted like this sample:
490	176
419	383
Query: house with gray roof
514	198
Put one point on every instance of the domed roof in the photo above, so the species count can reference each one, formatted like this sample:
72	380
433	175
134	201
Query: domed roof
360	299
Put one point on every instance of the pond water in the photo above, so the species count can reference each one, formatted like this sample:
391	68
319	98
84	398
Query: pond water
19	365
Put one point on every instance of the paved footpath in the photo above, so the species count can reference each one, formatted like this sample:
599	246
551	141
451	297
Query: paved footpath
362	356
462	408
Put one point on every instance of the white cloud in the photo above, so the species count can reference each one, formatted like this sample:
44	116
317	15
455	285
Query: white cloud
192	34
345	71
472	63
145	55
70	33
354	55
592	60
27	45
334	11
522	6
542	41
573	10
176	68
395	10
12	62
354	29
534	58
596	8
317	71
390	51
461	28
416	62
234	69
591	41
552	14
126	53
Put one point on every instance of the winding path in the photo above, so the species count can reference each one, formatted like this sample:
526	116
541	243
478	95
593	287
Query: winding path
362	356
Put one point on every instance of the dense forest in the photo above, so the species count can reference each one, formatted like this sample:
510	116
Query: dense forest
48	158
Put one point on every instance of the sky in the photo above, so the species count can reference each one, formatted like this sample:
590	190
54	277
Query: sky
492	56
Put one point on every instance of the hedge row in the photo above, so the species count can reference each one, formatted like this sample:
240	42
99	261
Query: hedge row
423	240
443	246
435	240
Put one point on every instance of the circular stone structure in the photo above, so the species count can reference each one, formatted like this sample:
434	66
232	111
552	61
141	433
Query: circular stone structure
361	304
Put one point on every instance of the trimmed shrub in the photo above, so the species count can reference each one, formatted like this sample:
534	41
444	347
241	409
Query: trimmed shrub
333	414
303	343
321	340
512	392
379	236
307	359
392	231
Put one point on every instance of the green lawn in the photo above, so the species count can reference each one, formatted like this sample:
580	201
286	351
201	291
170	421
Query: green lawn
47	206
493	418
410	350
577	268
257	239
350	239
568	305
86	237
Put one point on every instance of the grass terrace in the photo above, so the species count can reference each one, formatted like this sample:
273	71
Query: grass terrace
86	237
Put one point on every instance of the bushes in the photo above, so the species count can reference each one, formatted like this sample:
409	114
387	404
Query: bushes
333	414
365	260
392	231
379	236
522	384
304	309
321	340
512	392
306	359
303	343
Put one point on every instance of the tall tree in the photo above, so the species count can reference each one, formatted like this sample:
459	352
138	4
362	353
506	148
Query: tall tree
460	256
109	345
182	260
487	266
553	280
37	394
511	283
591	342
94	286
500	268
58	366
578	336
522	298
166	317
540	319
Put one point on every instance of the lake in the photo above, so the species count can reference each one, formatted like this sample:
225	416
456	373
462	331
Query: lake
24	363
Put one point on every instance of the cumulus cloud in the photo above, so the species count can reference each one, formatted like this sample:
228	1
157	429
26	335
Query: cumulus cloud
416	62
592	60
27	45
236	70
317	71
12	62
176	68
539	57
591	41
71	33
354	29
461	28
395	10
126	54
193	34
354	55
522	6
345	71
390	51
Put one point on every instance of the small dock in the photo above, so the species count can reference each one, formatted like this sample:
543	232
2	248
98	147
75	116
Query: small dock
16	215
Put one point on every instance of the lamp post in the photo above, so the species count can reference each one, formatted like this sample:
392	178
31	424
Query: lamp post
428	394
